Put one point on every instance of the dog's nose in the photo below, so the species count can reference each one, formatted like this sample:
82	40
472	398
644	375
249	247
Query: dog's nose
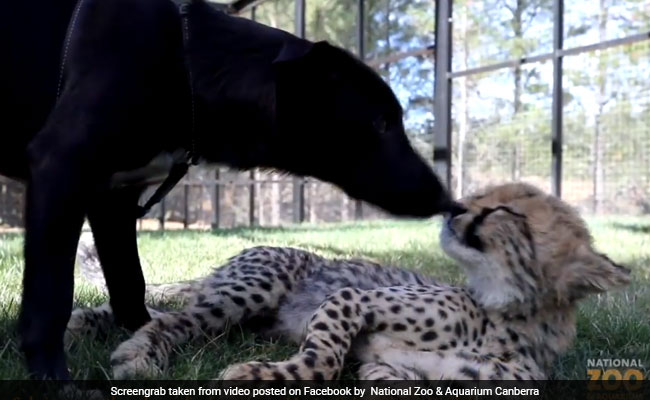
456	209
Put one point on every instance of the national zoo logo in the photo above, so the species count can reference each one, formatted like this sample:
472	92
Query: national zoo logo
615	378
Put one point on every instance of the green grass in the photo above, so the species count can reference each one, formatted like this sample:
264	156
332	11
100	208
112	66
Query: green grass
615	325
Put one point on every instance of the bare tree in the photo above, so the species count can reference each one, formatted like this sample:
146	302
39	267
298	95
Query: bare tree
598	147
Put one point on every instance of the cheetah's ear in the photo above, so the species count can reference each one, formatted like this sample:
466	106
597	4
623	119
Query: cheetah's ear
590	272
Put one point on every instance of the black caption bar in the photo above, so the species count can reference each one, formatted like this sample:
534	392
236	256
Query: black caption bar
366	390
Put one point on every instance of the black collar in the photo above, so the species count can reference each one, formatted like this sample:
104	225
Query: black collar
183	10
178	170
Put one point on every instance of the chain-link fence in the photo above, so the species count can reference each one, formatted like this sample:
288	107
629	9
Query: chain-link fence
543	82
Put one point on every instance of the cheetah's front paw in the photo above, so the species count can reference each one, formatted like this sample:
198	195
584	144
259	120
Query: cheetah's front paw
88	322
77	328
135	358
258	371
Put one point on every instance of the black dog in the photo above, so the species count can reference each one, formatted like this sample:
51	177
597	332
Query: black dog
93	88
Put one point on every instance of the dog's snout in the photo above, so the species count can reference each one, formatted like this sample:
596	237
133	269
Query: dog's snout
456	209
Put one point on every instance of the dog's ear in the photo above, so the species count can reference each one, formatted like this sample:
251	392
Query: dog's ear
305	73
301	59
297	49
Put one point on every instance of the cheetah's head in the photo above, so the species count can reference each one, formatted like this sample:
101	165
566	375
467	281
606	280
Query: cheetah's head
520	245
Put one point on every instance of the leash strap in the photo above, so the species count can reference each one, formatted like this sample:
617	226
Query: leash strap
178	170
183	10
72	25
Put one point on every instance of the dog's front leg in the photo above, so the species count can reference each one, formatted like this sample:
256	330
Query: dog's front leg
112	219
54	216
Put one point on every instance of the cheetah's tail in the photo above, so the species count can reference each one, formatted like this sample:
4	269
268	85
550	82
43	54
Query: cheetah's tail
91	270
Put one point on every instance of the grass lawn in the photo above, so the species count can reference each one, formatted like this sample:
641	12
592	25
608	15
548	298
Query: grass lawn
614	325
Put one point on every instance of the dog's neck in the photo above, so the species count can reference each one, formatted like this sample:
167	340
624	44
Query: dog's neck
234	86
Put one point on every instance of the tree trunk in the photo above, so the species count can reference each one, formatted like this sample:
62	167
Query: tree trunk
345	208
259	193
598	145
275	200
387	51
463	117
517	29
311	203
598	171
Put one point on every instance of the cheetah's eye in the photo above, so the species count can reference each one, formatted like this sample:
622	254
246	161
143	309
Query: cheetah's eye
471	237
508	210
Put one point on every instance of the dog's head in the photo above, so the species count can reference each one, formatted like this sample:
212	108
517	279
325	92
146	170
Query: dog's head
340	122
310	109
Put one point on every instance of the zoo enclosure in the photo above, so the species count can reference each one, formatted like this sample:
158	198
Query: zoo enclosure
551	92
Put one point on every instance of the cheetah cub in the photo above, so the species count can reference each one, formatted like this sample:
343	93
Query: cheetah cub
528	258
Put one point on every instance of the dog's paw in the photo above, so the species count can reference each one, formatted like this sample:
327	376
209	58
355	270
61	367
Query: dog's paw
135	358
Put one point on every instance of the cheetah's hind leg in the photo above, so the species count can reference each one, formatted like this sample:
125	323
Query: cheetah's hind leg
329	336
386	372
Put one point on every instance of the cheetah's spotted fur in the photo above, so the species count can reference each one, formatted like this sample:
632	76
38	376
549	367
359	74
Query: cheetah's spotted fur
528	257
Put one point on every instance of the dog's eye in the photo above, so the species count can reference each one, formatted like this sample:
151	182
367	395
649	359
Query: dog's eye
380	125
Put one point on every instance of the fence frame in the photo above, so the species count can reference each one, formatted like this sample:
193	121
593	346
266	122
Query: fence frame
557	55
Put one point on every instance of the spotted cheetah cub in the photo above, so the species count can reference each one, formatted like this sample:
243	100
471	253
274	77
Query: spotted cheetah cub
528	258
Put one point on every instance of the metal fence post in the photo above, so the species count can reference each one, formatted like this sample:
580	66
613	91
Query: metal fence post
299	182
361	48
216	205
161	218
442	92
251	199
556	124
3	201
300	18
186	206
251	187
